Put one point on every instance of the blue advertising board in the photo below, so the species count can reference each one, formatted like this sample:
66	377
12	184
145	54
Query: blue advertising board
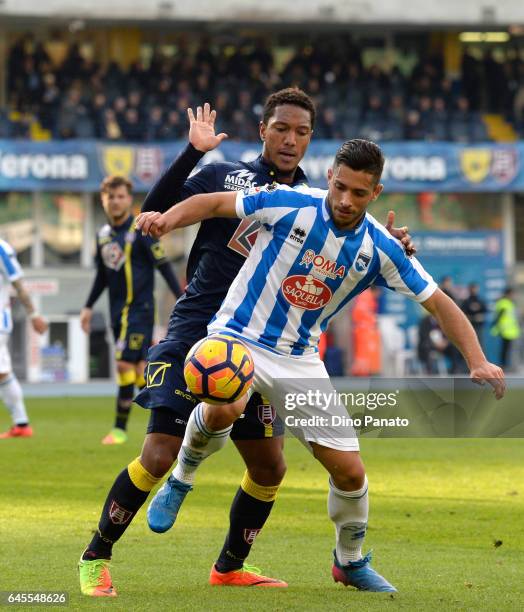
80	165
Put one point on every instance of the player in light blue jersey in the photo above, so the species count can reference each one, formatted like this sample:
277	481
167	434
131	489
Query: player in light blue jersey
10	390
316	251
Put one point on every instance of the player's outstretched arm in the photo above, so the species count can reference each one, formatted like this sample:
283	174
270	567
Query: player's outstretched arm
169	188
193	210
459	330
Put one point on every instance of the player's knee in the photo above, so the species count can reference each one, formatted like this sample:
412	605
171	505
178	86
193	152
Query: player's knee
220	417
157	458
269	471
349	477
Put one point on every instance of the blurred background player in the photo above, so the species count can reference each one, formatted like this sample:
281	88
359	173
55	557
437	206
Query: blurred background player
125	262
219	251
506	325
10	389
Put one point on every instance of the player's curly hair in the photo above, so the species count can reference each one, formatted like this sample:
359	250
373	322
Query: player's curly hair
114	182
290	95
361	154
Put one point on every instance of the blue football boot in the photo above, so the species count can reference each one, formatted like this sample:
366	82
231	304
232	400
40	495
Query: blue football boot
164	507
360	575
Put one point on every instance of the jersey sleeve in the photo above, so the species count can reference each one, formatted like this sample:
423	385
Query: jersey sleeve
9	265
399	273
270	203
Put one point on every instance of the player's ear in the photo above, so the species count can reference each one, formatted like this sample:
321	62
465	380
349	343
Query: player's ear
377	191
330	173
262	131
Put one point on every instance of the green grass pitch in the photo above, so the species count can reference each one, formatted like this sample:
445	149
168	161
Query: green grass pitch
446	522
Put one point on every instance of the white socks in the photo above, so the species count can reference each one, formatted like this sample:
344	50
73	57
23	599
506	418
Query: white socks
349	511
11	393
199	442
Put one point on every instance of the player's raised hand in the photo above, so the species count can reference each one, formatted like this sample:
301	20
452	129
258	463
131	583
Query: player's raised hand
202	129
400	233
491	374
152	224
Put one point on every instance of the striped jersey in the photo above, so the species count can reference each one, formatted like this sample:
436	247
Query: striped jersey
10	271
303	270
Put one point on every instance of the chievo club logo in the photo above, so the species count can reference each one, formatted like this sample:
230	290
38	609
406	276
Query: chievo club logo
322	265
306	291
266	414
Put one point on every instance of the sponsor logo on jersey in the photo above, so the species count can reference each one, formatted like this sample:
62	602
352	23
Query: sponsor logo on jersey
322	265
306	291
240	180
119	515
298	235
244	237
362	262
112	255
250	535
266	414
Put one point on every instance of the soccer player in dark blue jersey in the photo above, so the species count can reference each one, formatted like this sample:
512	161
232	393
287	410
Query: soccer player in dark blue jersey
217	255
125	263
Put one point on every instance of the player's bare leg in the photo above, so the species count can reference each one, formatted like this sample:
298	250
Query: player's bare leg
207	431
348	507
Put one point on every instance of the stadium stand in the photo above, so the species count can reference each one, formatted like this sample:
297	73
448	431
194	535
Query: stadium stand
80	97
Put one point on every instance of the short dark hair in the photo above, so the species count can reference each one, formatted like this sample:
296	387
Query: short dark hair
290	95
361	154
114	182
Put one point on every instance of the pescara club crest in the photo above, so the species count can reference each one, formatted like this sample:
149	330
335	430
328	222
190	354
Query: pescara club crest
362	262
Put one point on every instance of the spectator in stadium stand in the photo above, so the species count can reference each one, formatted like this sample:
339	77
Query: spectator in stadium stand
431	344
506	325
132	129
110	126
475	309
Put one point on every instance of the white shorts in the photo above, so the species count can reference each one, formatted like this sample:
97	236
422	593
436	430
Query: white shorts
300	390
5	357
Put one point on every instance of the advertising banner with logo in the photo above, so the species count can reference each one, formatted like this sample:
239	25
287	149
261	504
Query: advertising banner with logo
79	165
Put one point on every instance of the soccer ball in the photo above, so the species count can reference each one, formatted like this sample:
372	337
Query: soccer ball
219	369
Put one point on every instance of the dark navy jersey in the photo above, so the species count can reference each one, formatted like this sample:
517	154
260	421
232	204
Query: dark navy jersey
125	263
221	245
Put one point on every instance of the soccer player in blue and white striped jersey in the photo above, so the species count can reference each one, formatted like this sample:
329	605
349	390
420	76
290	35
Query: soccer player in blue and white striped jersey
10	389
316	251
